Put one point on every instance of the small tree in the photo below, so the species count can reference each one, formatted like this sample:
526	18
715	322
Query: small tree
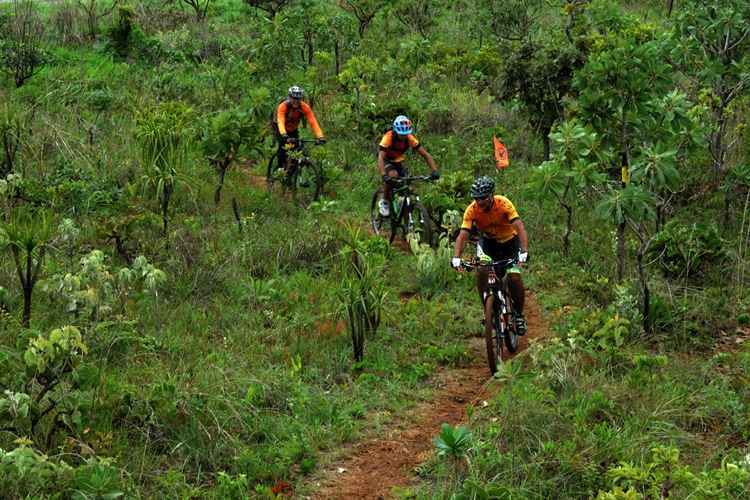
200	8
223	136
418	15
613	95
94	11
364	10
27	237
119	33
570	170
717	32
270	7
634	207
162	133
21	50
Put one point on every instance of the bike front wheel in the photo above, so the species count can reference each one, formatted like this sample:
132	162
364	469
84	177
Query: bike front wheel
272	172
511	337
381	224
494	348
309	181
420	225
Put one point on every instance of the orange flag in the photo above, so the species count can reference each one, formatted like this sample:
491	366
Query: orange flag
501	154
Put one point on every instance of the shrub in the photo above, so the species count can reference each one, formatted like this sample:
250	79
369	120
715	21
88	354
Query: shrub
22	54
119	33
686	250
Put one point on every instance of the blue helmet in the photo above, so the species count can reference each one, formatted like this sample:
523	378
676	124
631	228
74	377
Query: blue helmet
402	125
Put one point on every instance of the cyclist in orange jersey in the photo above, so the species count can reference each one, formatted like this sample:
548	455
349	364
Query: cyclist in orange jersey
287	118
503	236
391	155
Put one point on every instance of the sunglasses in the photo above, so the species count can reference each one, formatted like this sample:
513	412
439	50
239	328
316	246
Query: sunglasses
483	199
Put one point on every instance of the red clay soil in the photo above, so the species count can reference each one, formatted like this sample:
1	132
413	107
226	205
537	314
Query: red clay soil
371	469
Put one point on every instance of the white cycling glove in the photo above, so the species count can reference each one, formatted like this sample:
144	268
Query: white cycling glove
456	262
523	257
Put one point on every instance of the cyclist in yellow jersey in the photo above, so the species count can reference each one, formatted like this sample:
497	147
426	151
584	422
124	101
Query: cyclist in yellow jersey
392	153
503	236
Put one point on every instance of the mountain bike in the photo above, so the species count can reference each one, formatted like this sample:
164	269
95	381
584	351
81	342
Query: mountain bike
407	213
299	172
499	314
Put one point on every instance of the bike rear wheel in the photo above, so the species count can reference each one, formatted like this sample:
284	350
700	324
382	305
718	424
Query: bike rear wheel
381	225
491	320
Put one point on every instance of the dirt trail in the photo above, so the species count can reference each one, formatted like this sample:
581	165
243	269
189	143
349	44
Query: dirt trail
371	469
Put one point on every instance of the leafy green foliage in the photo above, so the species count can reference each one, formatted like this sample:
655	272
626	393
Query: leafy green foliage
120	32
687	250
453	442
22	52
225	134
164	138
362	292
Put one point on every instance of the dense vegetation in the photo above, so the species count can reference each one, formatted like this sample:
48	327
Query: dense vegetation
171	329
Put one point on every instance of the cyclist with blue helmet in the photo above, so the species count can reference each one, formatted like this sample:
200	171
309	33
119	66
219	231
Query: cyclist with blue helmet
503	236
392	153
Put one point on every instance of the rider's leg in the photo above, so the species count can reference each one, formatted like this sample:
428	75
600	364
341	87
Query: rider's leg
394	171
283	149
517	291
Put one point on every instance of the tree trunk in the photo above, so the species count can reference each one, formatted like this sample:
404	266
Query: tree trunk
337	56
545	138
236	210
28	288
310	47
621	252
217	194
670	5
568	228
644	290
165	207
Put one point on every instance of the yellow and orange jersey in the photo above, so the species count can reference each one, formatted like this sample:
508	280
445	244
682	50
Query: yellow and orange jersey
495	223
395	146
288	118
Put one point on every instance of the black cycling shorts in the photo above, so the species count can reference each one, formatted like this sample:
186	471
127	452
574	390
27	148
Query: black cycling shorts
499	251
397	167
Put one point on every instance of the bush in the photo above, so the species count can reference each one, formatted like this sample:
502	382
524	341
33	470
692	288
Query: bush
685	251
119	34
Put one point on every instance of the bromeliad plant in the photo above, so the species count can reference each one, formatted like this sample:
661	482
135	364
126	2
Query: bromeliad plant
163	136
27	237
362	293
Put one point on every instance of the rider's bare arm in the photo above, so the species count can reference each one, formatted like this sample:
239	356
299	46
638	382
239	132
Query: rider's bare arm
518	224
427	157
463	236
381	162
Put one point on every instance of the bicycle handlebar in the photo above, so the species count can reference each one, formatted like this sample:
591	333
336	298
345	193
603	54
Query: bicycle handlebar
406	180
301	142
473	264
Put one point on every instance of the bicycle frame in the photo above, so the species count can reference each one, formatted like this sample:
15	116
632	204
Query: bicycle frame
502	308
408	199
